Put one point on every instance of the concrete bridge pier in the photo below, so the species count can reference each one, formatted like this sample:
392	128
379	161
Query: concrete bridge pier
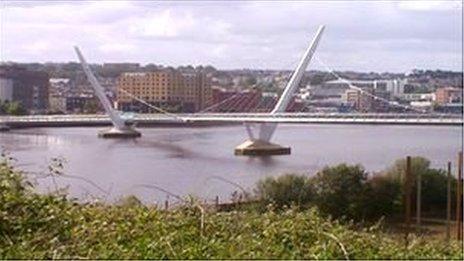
260	148
259	144
119	133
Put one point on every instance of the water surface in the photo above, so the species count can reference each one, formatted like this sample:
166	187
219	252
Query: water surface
197	160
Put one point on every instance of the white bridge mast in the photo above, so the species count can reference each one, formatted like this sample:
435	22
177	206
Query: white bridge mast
292	85
261	145
121	128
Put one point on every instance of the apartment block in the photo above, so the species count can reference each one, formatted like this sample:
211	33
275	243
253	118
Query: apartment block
29	88
168	89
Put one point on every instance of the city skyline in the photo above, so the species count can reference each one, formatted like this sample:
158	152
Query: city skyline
360	36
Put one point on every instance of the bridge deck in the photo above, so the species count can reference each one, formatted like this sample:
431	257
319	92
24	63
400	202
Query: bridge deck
218	118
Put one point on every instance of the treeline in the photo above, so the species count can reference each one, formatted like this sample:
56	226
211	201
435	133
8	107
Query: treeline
349	192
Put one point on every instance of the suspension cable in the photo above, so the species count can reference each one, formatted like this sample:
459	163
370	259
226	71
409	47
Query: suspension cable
150	105
350	85
239	102
219	103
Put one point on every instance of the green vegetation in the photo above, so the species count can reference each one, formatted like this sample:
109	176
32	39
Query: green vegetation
347	192
37	226
12	108
91	106
284	191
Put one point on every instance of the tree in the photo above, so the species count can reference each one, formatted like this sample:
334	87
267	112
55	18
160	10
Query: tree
91	106
340	190
14	108
434	182
382	198
398	169
250	81
285	190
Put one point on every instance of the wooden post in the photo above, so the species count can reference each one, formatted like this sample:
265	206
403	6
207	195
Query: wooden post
459	198
407	194
418	199
448	203
166	204
216	202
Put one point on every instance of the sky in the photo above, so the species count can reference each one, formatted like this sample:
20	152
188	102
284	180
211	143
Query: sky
379	36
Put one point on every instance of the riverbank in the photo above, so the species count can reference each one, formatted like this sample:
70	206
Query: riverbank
55	226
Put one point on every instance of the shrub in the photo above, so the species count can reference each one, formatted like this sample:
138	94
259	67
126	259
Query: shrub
340	191
383	197
434	190
398	169
28	219
434	183
285	190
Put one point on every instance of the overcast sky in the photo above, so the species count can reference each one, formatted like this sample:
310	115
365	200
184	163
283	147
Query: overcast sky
363	36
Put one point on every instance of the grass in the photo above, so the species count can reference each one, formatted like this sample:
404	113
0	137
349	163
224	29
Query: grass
102	231
52	226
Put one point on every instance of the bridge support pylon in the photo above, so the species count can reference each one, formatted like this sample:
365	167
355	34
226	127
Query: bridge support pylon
262	146
122	128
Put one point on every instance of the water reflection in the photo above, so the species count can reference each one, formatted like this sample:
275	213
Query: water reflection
265	161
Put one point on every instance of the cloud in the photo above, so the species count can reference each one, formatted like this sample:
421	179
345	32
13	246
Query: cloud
369	36
430	5
163	24
37	46
116	48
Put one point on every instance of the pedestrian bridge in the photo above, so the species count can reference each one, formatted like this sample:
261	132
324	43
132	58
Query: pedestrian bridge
187	119
260	127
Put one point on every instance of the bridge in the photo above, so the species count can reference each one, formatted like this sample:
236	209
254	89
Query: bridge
192	119
260	127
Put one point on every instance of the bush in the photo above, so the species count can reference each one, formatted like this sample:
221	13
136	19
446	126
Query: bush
285	190
12	108
434	183
434	190
340	191
28	219
383	197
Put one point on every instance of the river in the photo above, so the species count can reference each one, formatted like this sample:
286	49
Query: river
200	161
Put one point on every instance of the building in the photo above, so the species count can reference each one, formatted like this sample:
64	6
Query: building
235	100
197	90
338	87
121	66
57	103
358	100
448	95
395	87
29	88
78	103
169	89
416	97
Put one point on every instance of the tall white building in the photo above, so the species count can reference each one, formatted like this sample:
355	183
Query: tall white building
396	87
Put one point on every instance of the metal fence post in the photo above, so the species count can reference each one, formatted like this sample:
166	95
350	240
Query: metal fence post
407	194
448	202
459	198
418	199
